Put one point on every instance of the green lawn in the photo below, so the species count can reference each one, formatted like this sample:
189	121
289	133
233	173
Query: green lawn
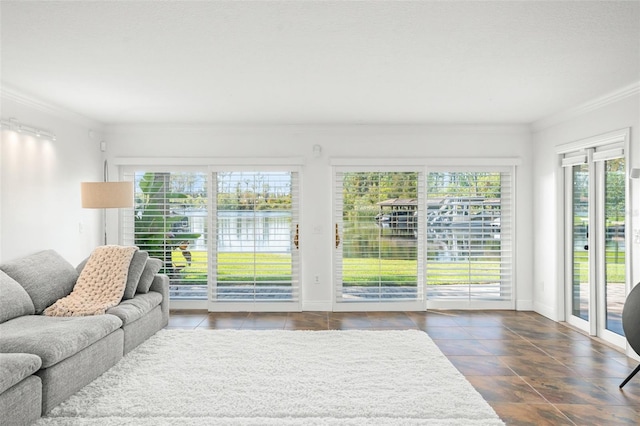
270	268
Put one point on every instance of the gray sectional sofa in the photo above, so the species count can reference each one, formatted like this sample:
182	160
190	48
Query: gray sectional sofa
43	359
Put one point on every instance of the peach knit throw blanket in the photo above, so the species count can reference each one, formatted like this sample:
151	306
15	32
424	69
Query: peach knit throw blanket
100	285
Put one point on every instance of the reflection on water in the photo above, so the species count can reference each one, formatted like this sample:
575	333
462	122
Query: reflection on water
271	232
365	239
267	232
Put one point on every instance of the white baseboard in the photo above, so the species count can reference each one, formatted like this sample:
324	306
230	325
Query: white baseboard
317	305
524	305
547	311
188	304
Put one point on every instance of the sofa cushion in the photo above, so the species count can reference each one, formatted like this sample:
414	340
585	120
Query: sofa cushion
81	265
130	310
45	275
54	338
151	268
136	268
14	299
16	367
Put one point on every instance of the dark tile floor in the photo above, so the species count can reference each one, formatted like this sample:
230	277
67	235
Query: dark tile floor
531	370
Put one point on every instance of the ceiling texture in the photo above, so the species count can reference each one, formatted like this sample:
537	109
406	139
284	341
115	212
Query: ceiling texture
318	62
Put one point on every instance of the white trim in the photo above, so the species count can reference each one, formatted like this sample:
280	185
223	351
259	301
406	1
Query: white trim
546	311
390	306
337	129
424	161
14	95
218	306
524	305
592	105
574	160
473	305
187	304
609	154
208	161
615	136
317	306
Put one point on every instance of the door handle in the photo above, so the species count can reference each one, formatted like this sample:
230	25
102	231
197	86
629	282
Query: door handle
586	247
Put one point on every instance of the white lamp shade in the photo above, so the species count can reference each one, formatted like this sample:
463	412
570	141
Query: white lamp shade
106	195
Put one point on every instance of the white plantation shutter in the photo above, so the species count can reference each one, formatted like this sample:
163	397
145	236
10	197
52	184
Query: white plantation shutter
170	222
470	236
378	250
256	218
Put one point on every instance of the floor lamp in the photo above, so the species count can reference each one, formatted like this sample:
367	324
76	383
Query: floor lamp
106	195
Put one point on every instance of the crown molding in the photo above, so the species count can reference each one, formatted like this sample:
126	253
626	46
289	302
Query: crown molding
592	105
13	95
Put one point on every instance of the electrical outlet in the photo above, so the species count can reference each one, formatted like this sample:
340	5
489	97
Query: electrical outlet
316	279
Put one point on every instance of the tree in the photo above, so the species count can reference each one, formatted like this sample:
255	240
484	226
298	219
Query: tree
157	229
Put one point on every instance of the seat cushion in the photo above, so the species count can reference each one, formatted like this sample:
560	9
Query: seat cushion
16	367
54	338
133	309
14	299
45	275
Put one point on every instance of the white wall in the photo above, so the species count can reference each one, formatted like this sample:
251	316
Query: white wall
547	254
40	183
339	142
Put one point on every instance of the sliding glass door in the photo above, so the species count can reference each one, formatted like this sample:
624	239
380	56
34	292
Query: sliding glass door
255	217
596	266
169	221
378	244
469	236
406	239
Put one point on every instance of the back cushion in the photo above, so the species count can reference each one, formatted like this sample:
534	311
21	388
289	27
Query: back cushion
46	276
136	267
150	270
14	300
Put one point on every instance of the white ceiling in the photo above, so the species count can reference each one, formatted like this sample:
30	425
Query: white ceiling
317	61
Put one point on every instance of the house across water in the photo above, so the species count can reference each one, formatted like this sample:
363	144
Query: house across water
399	213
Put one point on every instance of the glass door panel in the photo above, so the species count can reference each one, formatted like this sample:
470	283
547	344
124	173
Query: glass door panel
580	233
469	238
596	269
614	247
377	238
255	225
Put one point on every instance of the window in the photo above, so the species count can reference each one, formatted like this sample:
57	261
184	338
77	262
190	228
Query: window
257	232
378	240
470	236
254	216
596	195
170	222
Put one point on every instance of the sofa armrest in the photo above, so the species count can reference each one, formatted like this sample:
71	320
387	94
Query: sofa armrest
160	285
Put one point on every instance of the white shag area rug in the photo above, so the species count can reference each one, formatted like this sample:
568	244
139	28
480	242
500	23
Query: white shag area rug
236	377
